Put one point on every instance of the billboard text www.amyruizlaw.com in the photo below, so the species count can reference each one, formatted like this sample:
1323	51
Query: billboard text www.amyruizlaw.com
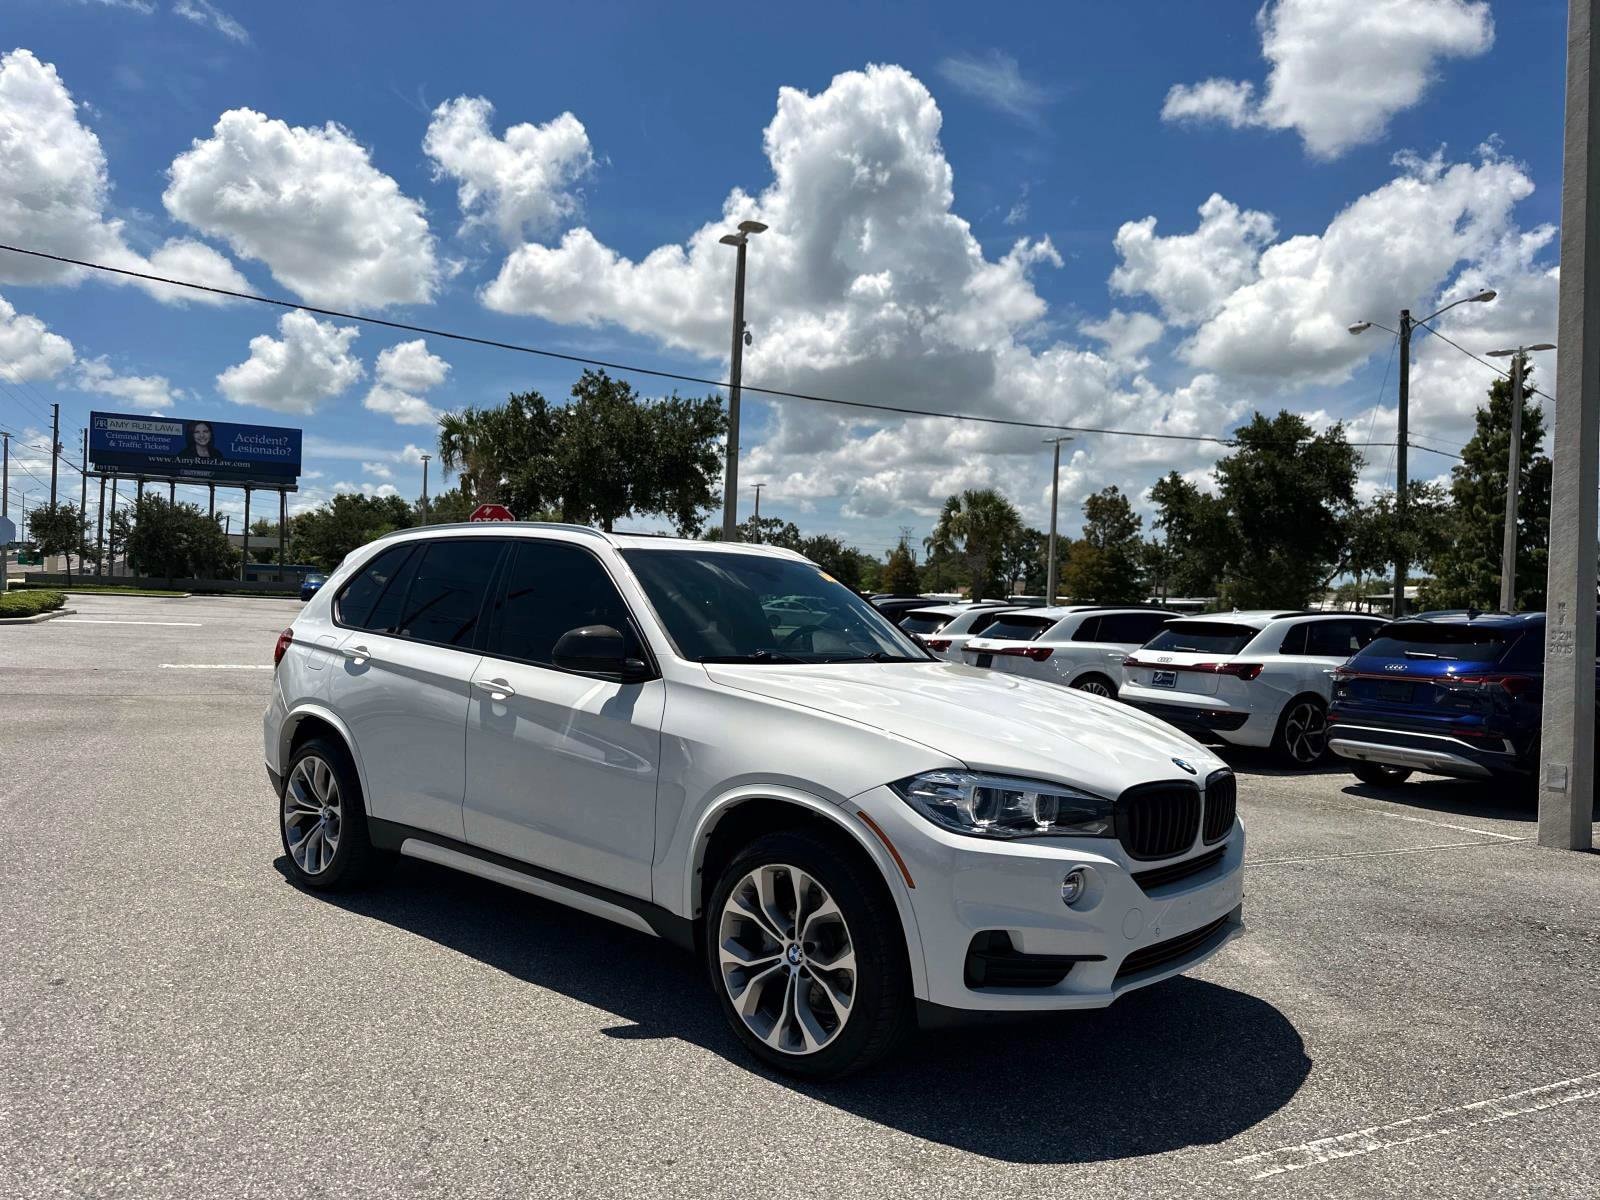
202	451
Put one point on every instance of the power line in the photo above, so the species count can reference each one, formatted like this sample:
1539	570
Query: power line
1497	369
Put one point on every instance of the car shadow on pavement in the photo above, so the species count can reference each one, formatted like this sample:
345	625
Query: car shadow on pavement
1179	1064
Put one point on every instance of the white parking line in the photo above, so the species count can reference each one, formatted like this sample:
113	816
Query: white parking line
1421	1128
216	666
1278	862
93	621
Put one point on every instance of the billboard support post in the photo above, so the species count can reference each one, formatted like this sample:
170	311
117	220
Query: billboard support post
172	491
138	498
111	560
283	532
211	504
100	532
244	563
83	497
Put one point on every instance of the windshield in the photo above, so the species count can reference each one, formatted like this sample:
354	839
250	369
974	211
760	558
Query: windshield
1202	637
923	622
1424	639
724	606
1016	628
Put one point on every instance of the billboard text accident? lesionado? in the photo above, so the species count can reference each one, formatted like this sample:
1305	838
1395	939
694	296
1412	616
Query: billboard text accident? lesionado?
203	451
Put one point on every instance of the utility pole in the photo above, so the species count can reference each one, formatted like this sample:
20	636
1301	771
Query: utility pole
100	567
425	459
759	486
730	475
1401	438
1508	545
244	560
83	498
1050	571
5	475
1566	772
55	449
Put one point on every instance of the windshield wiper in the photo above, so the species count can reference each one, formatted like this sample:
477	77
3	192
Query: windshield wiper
754	656
1429	654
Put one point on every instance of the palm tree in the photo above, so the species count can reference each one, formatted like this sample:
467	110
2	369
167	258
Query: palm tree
978	525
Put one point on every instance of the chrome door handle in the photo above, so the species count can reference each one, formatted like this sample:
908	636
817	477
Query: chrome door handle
498	689
357	654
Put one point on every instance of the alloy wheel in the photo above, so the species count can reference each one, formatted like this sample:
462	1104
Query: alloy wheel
312	814
1305	732
786	959
1096	687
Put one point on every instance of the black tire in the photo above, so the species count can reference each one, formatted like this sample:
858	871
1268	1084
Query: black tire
881	1012
1097	685
1301	739
354	861
1381	774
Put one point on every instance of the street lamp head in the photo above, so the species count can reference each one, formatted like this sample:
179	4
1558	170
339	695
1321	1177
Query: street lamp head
731	239
1523	350
1485	296
1361	327
1543	346
752	227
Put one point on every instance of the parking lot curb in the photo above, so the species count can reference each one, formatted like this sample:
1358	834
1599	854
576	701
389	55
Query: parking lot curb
37	617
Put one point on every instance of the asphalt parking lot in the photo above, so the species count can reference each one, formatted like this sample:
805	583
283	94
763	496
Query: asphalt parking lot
1413	1011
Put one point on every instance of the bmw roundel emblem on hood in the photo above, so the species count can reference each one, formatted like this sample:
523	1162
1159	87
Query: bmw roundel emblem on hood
1185	766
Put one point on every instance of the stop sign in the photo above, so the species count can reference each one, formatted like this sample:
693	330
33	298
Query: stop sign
491	512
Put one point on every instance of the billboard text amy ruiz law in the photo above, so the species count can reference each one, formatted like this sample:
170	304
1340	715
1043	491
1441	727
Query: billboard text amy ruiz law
169	448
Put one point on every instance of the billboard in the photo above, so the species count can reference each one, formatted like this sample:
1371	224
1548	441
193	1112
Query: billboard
202	451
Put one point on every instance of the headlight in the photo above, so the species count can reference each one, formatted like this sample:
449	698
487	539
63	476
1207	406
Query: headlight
1003	807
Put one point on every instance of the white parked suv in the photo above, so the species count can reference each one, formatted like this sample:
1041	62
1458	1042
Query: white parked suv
1079	646
849	833
942	629
1248	678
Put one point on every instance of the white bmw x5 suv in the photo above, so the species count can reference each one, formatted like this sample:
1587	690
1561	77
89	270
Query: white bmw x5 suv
849	833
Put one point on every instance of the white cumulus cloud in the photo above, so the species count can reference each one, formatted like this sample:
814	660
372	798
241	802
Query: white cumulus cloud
310	363
1190	274
28	350
1126	334
149	393
309	204
522	183
54	191
404	372
1339	69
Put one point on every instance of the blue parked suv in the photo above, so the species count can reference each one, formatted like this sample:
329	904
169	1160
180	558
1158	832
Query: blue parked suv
1449	693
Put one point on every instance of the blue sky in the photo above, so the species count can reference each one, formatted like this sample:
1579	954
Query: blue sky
1412	148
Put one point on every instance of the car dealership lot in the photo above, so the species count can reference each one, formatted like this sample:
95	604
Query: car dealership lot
1412	1010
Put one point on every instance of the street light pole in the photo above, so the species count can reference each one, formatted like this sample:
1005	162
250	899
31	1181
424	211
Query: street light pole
1508	543
758	488
1403	430
730	476
1566	738
425	459
1050	571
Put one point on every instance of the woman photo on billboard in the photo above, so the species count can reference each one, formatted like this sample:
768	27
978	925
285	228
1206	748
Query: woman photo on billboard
198	440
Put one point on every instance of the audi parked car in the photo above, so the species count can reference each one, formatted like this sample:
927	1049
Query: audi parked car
1078	646
1260	679
944	628
1454	693
309	585
894	608
848	833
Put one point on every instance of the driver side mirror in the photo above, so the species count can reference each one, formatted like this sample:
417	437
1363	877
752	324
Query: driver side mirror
598	650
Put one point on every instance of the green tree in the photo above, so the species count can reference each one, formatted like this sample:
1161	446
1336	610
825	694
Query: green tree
1288	492
1023	563
448	507
1107	562
58	528
608	455
1199	542
325	535
1466	564
763	531
1373	530
833	556
977	525
899	575
264	541
173	541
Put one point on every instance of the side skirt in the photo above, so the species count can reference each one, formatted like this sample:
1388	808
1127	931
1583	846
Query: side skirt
598	901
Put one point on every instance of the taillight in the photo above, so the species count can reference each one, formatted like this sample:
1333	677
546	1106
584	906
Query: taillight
936	643
1514	685
1237	670
1036	653
285	640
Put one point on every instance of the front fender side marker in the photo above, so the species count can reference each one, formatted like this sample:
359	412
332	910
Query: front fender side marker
889	846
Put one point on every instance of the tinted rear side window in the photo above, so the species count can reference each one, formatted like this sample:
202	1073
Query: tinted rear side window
921	622
1338	639
354	604
1427	640
1131	629
447	593
983	620
1013	627
552	588
1202	637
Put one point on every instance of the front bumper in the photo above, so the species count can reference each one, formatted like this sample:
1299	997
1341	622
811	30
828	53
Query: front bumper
1121	936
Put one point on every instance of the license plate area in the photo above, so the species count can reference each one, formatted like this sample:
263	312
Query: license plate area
984	660
1394	689
1164	679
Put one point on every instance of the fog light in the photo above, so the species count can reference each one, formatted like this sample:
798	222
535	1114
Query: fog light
1073	885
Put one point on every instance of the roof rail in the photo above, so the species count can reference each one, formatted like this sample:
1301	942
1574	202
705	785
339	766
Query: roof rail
560	525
